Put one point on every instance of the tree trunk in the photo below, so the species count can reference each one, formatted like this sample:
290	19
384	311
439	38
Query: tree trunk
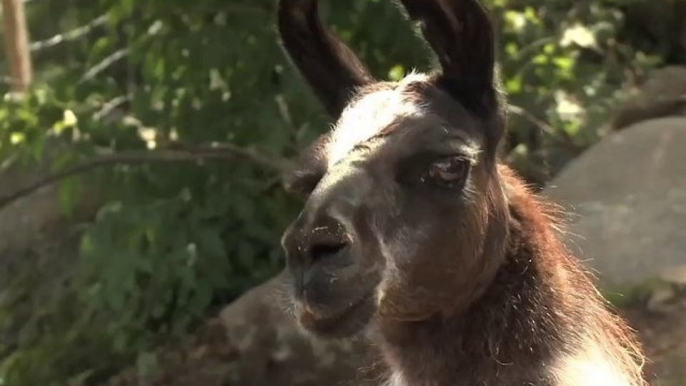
17	44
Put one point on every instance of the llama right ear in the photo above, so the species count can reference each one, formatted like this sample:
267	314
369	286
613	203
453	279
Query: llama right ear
461	34
330	67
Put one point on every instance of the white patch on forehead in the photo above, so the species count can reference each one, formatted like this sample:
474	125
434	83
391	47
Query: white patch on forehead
370	114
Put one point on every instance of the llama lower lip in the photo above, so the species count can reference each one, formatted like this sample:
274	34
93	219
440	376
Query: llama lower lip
346	322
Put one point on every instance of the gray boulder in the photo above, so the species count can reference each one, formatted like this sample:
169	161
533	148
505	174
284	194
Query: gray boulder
38	244
663	94
627	202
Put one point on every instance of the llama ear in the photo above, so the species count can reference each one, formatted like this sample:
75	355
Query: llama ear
330	67
461	34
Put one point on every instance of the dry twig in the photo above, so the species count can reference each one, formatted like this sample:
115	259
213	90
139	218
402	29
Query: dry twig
177	153
69	35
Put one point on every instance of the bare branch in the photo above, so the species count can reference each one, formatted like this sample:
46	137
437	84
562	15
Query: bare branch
533	47
177	153
70	35
546	128
10	161
516	110
110	105
104	64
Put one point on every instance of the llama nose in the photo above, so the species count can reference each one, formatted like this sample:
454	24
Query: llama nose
326	241
323	231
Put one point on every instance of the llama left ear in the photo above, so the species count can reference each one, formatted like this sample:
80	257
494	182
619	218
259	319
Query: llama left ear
461	34
331	68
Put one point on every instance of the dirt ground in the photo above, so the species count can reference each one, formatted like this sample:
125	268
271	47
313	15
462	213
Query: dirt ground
663	335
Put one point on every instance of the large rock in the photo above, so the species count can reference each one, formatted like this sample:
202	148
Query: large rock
38	244
627	195
663	94
33	218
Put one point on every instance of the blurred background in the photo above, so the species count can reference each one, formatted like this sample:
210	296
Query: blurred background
141	148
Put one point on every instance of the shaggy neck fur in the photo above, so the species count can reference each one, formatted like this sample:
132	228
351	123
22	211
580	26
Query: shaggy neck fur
541	322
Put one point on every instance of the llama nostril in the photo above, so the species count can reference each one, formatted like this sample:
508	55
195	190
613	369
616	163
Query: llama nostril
323	251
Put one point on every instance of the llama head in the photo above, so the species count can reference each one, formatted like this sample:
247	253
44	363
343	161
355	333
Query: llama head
405	217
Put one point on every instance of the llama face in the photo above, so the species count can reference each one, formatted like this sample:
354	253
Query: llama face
405	218
397	223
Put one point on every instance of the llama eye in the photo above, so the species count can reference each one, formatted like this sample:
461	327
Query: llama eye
449	172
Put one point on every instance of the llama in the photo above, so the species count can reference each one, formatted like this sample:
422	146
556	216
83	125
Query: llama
414	234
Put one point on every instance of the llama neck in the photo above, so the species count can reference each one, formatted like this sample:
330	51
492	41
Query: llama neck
507	337
531	327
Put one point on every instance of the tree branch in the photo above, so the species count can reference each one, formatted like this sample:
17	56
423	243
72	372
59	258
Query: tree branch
109	106
546	128
70	35
104	64
175	153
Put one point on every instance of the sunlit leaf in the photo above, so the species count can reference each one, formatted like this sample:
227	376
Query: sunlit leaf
516	20
580	35
16	138
396	73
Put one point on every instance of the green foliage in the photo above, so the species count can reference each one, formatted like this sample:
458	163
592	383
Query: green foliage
568	62
172	241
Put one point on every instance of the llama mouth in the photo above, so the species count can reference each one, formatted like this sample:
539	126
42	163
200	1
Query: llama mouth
345	323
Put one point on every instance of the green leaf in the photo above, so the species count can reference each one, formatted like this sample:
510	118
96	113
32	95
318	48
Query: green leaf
396	73
514	85
69	194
